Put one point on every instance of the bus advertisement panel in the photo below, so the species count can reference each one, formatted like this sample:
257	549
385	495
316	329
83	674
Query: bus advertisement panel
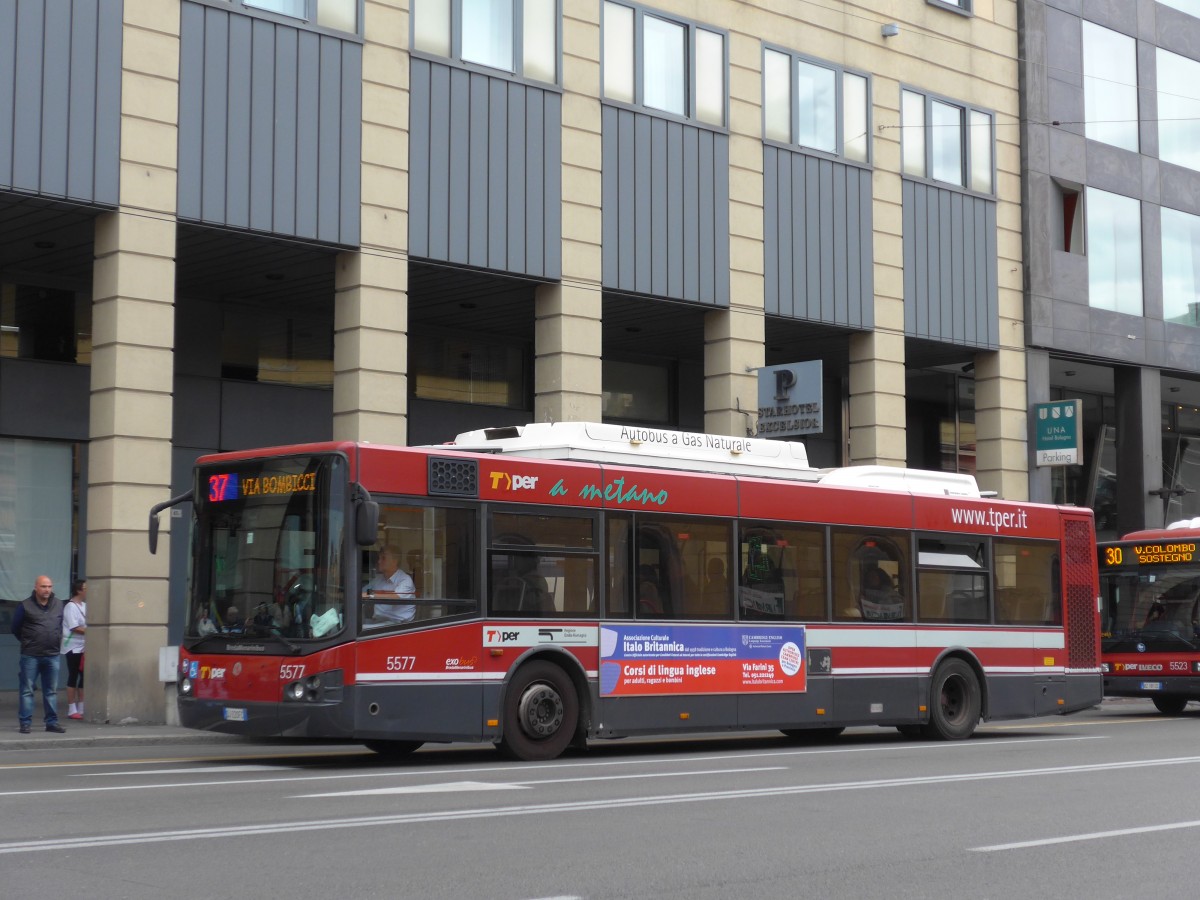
1150	615
548	585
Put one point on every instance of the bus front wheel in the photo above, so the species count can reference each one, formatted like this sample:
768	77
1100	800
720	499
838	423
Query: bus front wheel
954	702
1169	706
541	711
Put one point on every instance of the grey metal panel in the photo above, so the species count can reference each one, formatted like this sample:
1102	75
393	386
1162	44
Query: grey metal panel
55	101
237	180
216	93
657	245
329	142
270	126
666	208
286	90
463	151
817	239
950	285
515	153
263	125
308	130
419	102
485	176
8	86
60	74
497	169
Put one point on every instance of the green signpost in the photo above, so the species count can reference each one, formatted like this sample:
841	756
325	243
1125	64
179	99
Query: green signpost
1056	433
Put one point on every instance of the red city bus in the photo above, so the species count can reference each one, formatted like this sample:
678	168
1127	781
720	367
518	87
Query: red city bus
541	586
1150	615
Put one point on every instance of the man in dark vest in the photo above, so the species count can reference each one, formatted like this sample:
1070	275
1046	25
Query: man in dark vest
37	624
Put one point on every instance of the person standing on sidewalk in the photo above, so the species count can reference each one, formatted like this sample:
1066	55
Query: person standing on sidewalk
37	624
74	629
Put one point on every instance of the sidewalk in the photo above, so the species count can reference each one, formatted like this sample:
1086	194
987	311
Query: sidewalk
84	733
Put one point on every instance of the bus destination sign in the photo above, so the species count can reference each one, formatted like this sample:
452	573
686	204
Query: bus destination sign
232	486
1148	554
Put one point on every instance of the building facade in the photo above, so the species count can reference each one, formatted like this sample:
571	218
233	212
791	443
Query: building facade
231	223
1111	155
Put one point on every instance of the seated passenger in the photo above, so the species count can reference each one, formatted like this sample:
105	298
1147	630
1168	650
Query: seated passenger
880	600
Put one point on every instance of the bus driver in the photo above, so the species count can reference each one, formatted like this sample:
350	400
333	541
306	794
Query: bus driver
391	582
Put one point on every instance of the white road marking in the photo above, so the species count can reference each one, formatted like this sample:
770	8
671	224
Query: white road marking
522	785
1091	836
962	746
291	827
197	770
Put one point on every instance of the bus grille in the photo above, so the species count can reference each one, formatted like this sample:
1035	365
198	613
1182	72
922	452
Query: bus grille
453	477
1083	651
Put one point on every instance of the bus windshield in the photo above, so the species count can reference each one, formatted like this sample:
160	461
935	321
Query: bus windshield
1158	608
269	535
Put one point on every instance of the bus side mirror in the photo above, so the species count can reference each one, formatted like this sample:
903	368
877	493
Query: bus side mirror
366	523
153	533
156	509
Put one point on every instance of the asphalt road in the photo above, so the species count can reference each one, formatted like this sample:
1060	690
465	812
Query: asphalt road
1092	806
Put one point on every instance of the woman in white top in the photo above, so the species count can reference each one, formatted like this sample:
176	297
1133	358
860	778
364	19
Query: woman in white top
74	629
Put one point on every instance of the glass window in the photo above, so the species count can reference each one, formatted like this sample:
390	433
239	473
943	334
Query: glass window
270	534
273	348
1114	249
805	100
777	96
1181	267
294	8
36	532
487	31
469	369
781	573
952	580
681	568
816	96
431	26
710	77
982	141
341	15
664	64
540	40
618	52
1178	109
45	323
542	565
946	142
421	568
870	577
855	128
1026	579
677	67
912	115
1110	102
1187	6
639	392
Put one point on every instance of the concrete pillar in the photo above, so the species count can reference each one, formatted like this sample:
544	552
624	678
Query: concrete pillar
733	338
877	414
1002	423
370	321
133	325
1037	390
1139	448
567	379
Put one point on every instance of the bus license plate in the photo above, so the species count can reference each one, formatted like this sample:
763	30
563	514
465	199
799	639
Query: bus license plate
1146	686
235	715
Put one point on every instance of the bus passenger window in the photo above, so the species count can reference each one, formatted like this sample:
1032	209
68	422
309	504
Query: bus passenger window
872	573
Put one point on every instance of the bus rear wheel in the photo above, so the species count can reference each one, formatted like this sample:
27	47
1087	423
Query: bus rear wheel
541	711
393	749
1169	706
954	702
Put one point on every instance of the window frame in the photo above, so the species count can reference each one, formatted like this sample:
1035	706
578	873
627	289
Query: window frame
309	20
691	91
840	72
517	71
967	110
962	7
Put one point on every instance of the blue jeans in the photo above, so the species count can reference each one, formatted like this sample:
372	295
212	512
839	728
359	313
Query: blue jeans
33	668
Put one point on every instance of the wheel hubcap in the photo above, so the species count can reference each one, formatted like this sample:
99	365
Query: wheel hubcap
541	710
953	699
